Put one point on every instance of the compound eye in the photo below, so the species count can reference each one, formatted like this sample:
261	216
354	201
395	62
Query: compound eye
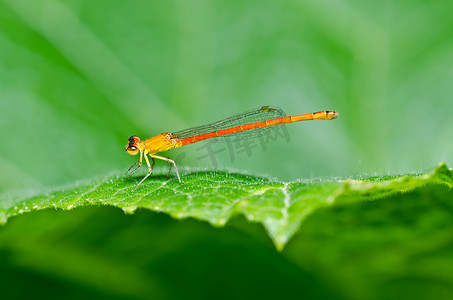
134	139
132	150
132	147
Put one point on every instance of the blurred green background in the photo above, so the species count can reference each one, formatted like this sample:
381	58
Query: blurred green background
77	78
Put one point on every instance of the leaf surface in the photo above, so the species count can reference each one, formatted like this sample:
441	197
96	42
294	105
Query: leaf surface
215	197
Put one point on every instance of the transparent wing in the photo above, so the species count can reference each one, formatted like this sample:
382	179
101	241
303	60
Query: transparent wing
255	115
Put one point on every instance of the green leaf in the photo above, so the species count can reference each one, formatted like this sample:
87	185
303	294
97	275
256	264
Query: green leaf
215	197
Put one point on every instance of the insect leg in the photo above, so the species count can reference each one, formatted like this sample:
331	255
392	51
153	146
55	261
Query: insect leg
138	167
170	161
149	169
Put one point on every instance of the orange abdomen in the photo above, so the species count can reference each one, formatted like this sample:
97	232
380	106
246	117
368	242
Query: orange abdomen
322	115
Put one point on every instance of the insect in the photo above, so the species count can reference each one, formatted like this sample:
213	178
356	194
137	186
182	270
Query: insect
251	124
